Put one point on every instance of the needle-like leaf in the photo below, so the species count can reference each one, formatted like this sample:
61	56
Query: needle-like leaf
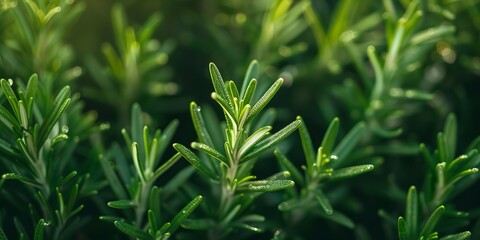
330	136
264	100
219	84
121	204
249	76
132	231
432	221
265	185
411	213
271	140
195	161
402	229
184	213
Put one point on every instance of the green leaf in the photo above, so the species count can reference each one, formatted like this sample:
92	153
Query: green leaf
72	197
432	34
432	221
457	236
210	151
253	139
121	204
247	98
329	138
66	179
195	161
378	87
271	140
411	212
265	185
8	119
136	126
340	219
230	214
296	175
11	97
351	171
23	115
184	213
232	91
199	124
229	111
450	134
20	228
38	235
60	104
111	176
164	167
463	174
138	162
132	231
264	100
324	202
347	144
461	161
31	89
154	202
306	144
252	218
14	176
164	228
402	229
249	76
219	84
2	234
152	221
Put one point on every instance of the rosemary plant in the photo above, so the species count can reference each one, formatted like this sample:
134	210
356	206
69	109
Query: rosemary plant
32	150
408	41
139	193
227	166
134	65
33	42
326	166
447	176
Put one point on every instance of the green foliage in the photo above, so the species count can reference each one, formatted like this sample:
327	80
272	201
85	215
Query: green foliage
324	167
392	71
143	198
33	41
446	177
229	168
133	65
408	41
34	142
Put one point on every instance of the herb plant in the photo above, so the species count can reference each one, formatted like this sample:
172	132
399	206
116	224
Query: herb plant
107	130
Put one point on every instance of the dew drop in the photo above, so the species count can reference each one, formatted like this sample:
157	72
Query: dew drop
10	82
333	157
65	129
